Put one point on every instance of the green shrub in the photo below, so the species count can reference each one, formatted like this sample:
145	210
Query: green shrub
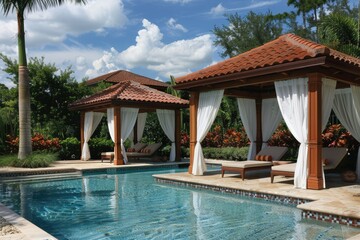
70	149
35	160
7	160
185	152
165	151
228	153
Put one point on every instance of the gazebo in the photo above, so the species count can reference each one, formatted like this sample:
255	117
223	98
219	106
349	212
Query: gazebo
123	103
293	76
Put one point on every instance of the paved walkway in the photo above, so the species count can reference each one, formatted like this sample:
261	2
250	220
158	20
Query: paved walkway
338	198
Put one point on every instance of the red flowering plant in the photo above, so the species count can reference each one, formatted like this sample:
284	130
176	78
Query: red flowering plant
283	137
39	143
233	138
185	139
336	135
230	138
213	138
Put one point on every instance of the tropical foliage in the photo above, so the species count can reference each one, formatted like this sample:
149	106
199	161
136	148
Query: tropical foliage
21	7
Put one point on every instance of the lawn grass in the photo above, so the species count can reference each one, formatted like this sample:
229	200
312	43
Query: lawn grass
35	160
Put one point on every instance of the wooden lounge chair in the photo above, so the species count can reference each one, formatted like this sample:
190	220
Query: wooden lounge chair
110	155
333	157
146	152
242	167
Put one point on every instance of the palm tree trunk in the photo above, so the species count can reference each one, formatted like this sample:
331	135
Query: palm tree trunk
25	148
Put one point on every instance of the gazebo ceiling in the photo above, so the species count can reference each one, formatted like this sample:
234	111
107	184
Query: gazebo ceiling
124	76
129	94
287	57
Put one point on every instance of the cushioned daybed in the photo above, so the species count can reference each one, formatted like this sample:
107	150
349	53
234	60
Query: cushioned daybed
332	157
270	155
145	152
110	155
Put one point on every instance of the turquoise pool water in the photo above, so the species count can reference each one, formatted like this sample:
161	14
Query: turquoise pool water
133	206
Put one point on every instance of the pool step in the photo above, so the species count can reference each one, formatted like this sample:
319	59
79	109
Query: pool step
40	175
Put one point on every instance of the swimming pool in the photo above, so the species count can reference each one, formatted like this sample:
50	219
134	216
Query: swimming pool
133	206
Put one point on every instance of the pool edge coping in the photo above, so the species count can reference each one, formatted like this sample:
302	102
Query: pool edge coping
27	229
309	214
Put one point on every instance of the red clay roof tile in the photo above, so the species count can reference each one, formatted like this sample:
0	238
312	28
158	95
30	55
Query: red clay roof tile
129	91
287	48
124	76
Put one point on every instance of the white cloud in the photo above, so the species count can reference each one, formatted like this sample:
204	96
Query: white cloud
172	25
176	58
55	24
218	10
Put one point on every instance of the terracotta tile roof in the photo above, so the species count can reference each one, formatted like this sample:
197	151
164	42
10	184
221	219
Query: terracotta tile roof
124	76
287	48
129	91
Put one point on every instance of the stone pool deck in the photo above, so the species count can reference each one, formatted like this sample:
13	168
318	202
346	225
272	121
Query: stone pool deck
339	200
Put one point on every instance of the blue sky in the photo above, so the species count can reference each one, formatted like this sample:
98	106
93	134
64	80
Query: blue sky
154	38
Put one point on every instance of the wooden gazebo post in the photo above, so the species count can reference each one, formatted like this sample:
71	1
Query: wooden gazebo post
194	101
118	157
258	102
315	179
135	129
177	135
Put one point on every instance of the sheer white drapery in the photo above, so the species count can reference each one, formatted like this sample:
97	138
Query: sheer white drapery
346	111
270	118
327	99
167	123
110	122
292	96
141	120
247	110
128	119
208	106
328	94
92	120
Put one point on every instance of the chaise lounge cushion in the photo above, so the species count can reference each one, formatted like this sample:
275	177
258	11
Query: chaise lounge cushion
248	164
275	153
284	167
332	155
137	147
148	151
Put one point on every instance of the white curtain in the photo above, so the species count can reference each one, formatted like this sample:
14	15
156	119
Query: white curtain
128	119
247	110
167	123
110	122
345	108
327	99
141	120
292	96
270	118
208	106
328	94
92	120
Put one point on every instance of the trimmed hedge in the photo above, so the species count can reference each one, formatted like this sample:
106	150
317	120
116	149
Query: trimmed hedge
228	153
35	160
70	148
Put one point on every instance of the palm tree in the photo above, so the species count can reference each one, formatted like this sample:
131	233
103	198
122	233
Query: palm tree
340	32
20	7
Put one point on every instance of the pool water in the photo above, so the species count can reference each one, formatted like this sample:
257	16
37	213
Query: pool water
134	206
